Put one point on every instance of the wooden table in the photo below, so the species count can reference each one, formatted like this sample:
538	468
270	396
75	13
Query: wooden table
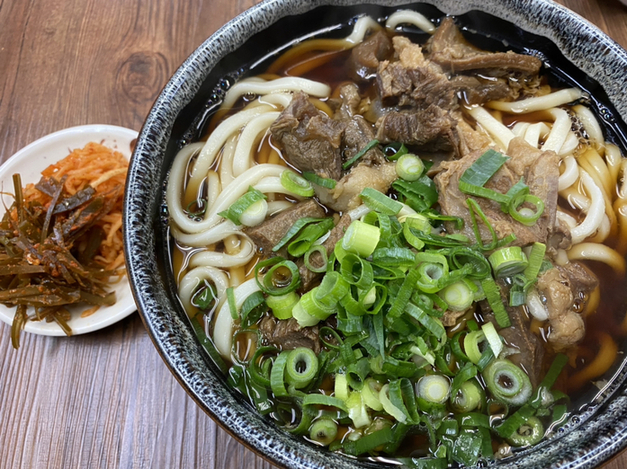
106	399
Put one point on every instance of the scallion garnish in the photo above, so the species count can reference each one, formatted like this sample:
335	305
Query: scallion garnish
457	296
507	262
301	367
409	167
484	168
242	204
524	215
507	382
230	298
281	277
309	235
282	305
373	143
327	183
293	231
361	238
379	202
493	295
296	184
323	431
536	256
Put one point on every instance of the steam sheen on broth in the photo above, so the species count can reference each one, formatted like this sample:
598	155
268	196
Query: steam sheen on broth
398	248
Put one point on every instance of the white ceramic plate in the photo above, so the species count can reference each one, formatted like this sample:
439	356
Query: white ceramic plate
30	161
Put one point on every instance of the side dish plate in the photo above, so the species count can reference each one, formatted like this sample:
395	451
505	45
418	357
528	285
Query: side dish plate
30	161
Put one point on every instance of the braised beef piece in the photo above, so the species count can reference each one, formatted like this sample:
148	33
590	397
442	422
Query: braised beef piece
565	290
310	140
358	132
432	129
271	231
474	90
307	277
366	56
449	49
288	335
540	171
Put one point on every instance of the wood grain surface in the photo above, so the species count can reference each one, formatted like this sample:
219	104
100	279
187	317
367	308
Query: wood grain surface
106	399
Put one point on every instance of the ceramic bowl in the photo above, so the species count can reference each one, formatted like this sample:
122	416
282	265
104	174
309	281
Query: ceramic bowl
570	46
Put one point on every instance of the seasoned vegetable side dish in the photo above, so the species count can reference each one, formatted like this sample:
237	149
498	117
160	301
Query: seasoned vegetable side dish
404	248
61	239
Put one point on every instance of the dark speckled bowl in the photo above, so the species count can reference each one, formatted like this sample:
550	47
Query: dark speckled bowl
574	49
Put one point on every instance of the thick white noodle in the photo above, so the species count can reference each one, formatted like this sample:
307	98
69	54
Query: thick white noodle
520	128
277	206
256	128
535	132
211	235
590	125
224	260
276	99
595	214
614	160
410	17
362	26
214	187
570	145
603	231
226	161
279	85
570	174
196	277
223	326
569	220
499	132
218	138
559	131
538	103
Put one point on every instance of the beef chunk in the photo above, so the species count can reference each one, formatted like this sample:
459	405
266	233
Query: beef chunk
288	335
366	56
310	140
271	231
475	90
431	129
307	277
345	195
449	49
540	171
564	290
413	81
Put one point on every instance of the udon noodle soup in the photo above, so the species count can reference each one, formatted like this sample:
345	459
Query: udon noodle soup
404	250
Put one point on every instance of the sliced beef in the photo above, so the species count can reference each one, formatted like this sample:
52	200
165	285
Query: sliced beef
271	231
564	291
413	81
540	171
345	195
448	48
288	335
307	277
366	56
475	90
431	129
309	139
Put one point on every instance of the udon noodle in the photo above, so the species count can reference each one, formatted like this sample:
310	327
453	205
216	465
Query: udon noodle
220	190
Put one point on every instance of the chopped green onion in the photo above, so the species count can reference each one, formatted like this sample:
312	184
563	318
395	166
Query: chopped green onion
468	371
301	367
434	388
357	271
493	295
361	238
313	307
468	397
379	202
433	325
484	168
475	210
420	194
409	167
483	192
507	382
394	257
493	338
332	289
340	387
282	305
394	151
527	434
525	215
471	345
509	261
255	214
536	256
236	210
281	278
230	298
357	411
323	431
462	255
457	296
370	394
293	231
309	235
327	183
368	442
277	375
323	254
252	309
404	293
296	184
259	372
388	406
373	143
321	399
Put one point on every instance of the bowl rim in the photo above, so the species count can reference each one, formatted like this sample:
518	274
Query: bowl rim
547	18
